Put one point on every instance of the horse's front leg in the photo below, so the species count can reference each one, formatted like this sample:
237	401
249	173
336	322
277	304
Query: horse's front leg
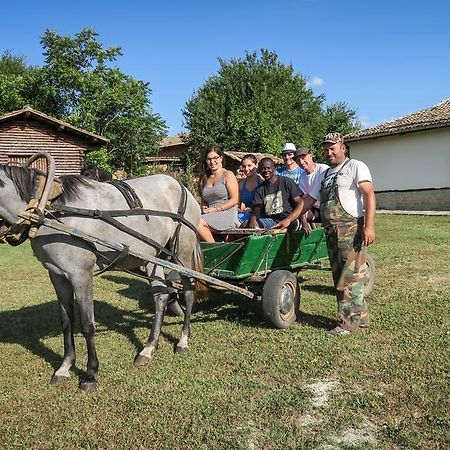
161	297
83	292
64	293
182	346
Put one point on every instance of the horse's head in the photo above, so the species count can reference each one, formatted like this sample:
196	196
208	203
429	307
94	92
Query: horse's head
96	173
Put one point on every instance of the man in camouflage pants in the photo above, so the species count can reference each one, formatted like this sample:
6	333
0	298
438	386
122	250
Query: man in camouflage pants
347	205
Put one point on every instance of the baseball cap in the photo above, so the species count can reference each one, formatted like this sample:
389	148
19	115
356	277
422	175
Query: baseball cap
289	147
301	151
333	138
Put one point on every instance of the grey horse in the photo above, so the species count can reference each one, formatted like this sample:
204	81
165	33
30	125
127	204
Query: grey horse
72	262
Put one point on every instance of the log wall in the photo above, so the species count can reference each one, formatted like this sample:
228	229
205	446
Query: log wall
20	139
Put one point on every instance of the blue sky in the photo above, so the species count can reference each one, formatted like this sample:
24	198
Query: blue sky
384	58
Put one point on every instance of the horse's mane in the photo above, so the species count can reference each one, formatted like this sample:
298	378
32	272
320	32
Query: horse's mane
71	188
23	180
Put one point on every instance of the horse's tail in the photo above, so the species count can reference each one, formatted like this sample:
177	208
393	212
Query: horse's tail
201	290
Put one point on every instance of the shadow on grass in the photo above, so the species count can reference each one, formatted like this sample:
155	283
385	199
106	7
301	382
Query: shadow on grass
231	308
319	289
30	325
219	306
317	321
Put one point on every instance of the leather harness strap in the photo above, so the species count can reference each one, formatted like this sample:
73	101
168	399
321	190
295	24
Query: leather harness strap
133	200
128	192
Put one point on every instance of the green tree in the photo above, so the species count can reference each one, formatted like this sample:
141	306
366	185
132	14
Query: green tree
257	103
21	85
95	96
339	116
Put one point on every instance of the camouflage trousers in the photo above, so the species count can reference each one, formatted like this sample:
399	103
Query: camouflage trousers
348	264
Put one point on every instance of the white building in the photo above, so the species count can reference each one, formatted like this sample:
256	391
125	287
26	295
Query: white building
409	159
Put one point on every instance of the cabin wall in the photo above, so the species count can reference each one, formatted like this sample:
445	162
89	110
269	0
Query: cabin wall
20	139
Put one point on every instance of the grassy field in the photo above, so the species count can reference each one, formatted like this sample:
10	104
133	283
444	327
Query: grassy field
243	385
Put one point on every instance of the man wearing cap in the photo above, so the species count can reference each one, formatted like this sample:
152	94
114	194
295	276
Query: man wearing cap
312	171
347	207
290	168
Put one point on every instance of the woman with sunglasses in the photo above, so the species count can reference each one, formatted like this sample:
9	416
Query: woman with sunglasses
219	192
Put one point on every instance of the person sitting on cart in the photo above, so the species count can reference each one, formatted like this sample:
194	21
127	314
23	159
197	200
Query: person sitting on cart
276	201
312	171
247	186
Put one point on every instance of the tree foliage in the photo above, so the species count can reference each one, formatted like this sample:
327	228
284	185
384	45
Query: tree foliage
21	84
256	104
79	84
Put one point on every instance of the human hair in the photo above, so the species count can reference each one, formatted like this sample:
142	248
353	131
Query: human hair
263	160
251	157
205	172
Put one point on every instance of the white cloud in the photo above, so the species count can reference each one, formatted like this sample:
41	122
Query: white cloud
317	81
365	122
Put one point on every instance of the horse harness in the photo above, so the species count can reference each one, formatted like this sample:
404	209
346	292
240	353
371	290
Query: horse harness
20	231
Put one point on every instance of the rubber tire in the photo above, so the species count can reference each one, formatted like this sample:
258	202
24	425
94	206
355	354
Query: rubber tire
274	285
370	276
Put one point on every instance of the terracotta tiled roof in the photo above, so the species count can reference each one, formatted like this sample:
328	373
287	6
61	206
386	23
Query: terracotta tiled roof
27	112
434	117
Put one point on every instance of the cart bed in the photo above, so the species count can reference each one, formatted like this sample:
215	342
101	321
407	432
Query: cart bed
259	254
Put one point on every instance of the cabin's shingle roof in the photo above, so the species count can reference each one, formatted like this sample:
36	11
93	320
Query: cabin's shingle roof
27	112
237	156
434	117
171	141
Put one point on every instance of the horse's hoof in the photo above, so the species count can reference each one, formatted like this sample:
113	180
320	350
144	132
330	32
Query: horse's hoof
142	360
88	386
58	379
179	349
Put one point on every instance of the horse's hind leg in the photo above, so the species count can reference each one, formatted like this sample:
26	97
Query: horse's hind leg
161	296
182	346
64	293
83	291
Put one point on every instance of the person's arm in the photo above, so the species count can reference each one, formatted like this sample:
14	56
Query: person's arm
257	206
308	203
232	186
241	204
306	226
253	222
303	205
370	205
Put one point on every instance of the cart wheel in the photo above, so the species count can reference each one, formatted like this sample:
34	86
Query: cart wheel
281	298
370	276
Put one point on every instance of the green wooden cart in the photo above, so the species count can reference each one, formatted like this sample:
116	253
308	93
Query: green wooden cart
264	258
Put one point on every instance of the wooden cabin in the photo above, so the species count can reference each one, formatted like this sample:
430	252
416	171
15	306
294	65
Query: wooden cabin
27	131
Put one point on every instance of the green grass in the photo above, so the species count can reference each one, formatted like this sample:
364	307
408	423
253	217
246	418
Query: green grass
243	385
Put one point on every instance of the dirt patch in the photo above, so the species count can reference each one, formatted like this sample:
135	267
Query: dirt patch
321	391
361	436
443	279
